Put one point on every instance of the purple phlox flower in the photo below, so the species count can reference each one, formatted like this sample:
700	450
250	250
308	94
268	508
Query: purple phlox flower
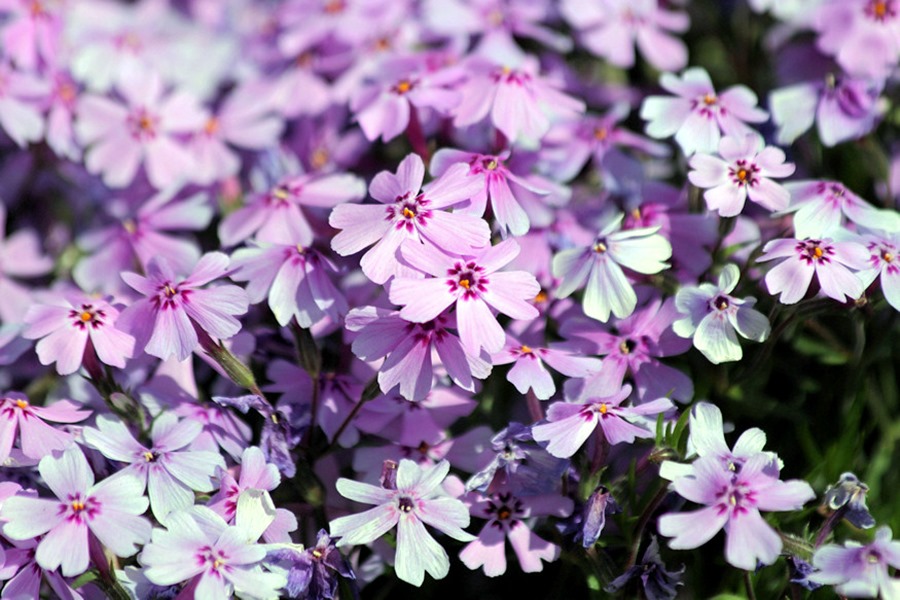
175	311
707	439
171	473
518	465
256	474
279	434
31	32
25	576
506	514
860	570
632	348
60	104
528	371
404	85
569	424
409	422
243	121
215	558
611	29
733	500
21	94
848	496
75	328
497	21
409	349
497	185
108	512
37	439
833	262
221	428
474	284
745	170
300	89
711	316
409	214
843	108
569	145
143	130
281	213
884	265
308	22
311	573
417	499
862	35
520	101
140	235
820	207
799	571
593	517
697	116
323	147
598	267
295	278
657	582
369	465
20	257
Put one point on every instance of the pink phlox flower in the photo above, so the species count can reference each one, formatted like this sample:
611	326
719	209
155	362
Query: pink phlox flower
295	279
842	108
473	284
413	423
632	347
711	316
417	499
221	428
820	207
20	257
370	465
409	350
176	311
860	570
506	516
833	262
108	511
598	267
74	329
216	559
521	103
306	23
140	235
569	145
697	116
21	97
408	211
323	146
242	121
746	169
862	35
255	474
31	32
884	264
403	86
37	439
569	424
612	28
170	472
60	105
529	371
733	499
25	577
498	184
282	212
142	129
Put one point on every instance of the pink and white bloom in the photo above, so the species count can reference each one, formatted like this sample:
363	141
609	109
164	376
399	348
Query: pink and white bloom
697	116
612	28
31	32
412	212
474	284
74	328
109	510
20	96
120	137
570	424
418	499
37	439
860	570
834	264
598	267
167	320
20	257
862	35
529	373
884	264
745	170
821	207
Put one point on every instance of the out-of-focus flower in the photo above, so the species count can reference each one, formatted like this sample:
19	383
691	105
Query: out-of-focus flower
860	570
313	573
657	582
822	205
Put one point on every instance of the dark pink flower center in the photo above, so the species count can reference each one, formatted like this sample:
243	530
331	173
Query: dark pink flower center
708	105
143	124
405	504
743	173
409	214
881	10
467	279
169	296
212	559
504	508
87	316
815	251
735	498
78	508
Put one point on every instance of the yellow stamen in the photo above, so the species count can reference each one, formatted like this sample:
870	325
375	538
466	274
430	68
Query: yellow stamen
732	500
317	553
333	7
465	283
22	404
504	513
217	563
403	87
86	316
319	158
408	213
129	225
709	99
636	214
78	506
525	349
624	348
212	126
301	249
742	174
603	409
148	456
491	165
601	133
145	123
818	252
887	256
541	297
281	193
880	9
599	247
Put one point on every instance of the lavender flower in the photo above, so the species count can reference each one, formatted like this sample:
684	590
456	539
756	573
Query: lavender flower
313	573
860	570
657	582
37	438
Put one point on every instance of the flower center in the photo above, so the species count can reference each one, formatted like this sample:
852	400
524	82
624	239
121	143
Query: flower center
467	277
525	349
709	99
627	346
721	303
742	174
150	456
491	164
409	212
873	557
319	158
541	297
21	404
212	126
142	124
887	256
504	513
334	7
403	87
78	506
600	247
601	133
464	283
880	10
603	408
405	504
86	315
